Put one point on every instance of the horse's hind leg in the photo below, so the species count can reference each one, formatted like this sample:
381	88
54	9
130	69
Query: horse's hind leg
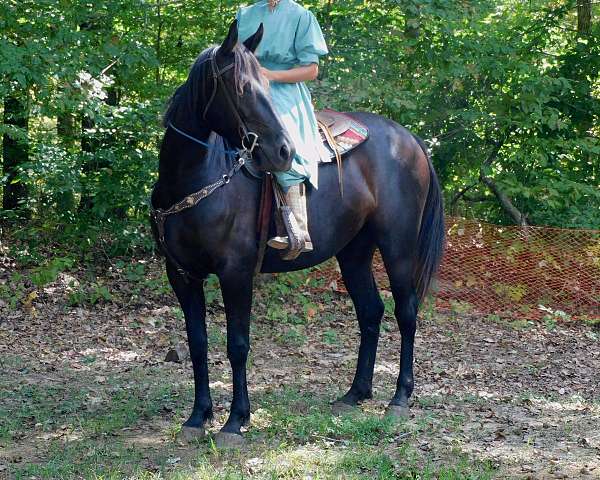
191	299
355	263
399	266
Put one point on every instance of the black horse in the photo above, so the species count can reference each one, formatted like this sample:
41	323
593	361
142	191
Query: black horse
392	201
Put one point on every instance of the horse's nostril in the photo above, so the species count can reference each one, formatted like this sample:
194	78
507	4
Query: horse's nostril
284	152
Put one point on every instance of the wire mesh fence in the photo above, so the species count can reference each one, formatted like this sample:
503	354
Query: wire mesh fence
527	272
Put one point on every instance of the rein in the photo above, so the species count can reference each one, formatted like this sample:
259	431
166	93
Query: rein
204	144
249	142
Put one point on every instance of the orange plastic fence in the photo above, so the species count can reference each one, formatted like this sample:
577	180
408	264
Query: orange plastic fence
524	272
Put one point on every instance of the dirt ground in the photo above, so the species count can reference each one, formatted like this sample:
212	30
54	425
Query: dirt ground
84	385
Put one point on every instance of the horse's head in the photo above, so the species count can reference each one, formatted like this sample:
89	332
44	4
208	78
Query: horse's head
237	104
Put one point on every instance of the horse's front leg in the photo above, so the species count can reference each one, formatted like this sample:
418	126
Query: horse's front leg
236	286
191	299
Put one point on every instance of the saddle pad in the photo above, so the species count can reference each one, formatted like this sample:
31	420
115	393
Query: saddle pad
348	132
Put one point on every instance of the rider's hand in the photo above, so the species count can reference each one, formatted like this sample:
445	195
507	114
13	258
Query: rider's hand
268	74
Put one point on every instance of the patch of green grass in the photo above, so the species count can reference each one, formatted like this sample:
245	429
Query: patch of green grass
592	322
428	311
330	337
409	464
122	403
293	436
288	299
89	359
292	336
460	468
177	313
212	290
389	305
104	459
460	308
550	322
515	324
366	464
216	336
141	281
123	410
29	405
90	294
12	361
202	470
303	418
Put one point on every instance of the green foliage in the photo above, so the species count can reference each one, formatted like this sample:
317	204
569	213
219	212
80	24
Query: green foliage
305	417
331	337
92	294
505	89
13	291
479	76
48	273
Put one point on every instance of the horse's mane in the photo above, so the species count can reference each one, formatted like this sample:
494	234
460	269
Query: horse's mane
182	106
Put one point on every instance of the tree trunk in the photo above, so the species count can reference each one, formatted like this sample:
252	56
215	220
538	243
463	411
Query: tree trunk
584	17
158	40
15	153
65	129
518	217
505	202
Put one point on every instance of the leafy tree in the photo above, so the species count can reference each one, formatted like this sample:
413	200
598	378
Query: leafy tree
505	92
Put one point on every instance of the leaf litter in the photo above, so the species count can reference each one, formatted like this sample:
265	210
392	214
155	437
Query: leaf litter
526	398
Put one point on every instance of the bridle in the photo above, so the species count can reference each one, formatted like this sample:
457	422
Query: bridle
249	141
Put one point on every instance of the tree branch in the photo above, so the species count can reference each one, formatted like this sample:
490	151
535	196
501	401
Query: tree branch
458	195
477	199
518	217
505	202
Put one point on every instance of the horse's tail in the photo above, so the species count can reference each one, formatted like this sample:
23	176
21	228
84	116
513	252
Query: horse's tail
430	246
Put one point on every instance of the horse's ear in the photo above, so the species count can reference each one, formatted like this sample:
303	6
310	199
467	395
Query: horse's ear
232	38
253	41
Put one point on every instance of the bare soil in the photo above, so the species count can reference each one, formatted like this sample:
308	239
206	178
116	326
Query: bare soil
524	396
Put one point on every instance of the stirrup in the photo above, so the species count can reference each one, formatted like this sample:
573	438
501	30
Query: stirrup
279	242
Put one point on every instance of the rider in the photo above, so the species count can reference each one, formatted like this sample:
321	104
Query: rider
289	56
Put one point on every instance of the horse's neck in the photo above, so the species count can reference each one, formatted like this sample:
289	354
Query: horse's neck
187	167
183	161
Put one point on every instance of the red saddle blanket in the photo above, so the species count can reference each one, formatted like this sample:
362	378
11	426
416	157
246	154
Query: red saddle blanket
341	132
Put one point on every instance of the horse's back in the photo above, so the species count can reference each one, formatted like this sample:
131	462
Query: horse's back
385	182
391	144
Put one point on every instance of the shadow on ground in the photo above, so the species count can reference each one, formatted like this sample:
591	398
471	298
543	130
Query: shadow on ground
85	391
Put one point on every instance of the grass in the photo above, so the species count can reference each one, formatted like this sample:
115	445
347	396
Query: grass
302	418
293	436
72	427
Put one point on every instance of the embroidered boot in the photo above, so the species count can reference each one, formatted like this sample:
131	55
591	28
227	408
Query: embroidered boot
296	200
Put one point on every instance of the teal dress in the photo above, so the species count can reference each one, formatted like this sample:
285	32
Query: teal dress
292	37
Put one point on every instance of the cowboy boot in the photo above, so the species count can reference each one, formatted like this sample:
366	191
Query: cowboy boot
296	200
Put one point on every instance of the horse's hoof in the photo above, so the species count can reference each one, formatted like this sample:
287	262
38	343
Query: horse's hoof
225	440
341	408
191	434
397	412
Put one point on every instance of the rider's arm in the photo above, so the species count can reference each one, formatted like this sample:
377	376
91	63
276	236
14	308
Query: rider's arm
294	75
